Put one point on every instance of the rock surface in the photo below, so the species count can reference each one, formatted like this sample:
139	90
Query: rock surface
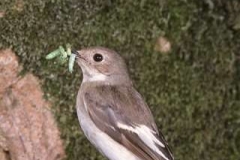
27	127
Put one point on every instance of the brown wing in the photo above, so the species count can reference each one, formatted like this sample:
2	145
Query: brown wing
122	114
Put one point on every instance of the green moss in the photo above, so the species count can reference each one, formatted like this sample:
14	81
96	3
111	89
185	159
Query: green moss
194	91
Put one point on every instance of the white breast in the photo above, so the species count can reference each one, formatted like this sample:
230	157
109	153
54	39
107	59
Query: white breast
104	143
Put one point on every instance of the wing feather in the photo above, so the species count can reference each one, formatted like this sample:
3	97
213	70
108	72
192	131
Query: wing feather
122	114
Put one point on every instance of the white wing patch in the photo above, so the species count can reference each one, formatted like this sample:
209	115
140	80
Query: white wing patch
146	135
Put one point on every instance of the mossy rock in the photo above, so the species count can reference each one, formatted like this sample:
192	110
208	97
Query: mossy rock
193	91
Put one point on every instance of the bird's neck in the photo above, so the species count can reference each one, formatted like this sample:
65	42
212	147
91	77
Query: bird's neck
107	79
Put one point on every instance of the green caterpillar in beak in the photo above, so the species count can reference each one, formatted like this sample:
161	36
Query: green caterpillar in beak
63	56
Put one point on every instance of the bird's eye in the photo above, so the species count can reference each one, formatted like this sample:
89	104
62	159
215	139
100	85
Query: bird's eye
98	57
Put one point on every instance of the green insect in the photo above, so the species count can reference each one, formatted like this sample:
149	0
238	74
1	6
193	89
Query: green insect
62	55
71	62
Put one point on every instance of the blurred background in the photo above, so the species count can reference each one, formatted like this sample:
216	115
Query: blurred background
183	55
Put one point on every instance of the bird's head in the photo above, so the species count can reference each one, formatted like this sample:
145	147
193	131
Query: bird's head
102	64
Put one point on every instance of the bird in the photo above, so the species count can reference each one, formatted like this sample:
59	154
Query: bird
112	113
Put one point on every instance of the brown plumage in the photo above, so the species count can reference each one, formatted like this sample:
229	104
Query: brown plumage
107	103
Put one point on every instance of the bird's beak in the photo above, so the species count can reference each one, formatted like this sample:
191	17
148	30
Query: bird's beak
75	52
78	54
